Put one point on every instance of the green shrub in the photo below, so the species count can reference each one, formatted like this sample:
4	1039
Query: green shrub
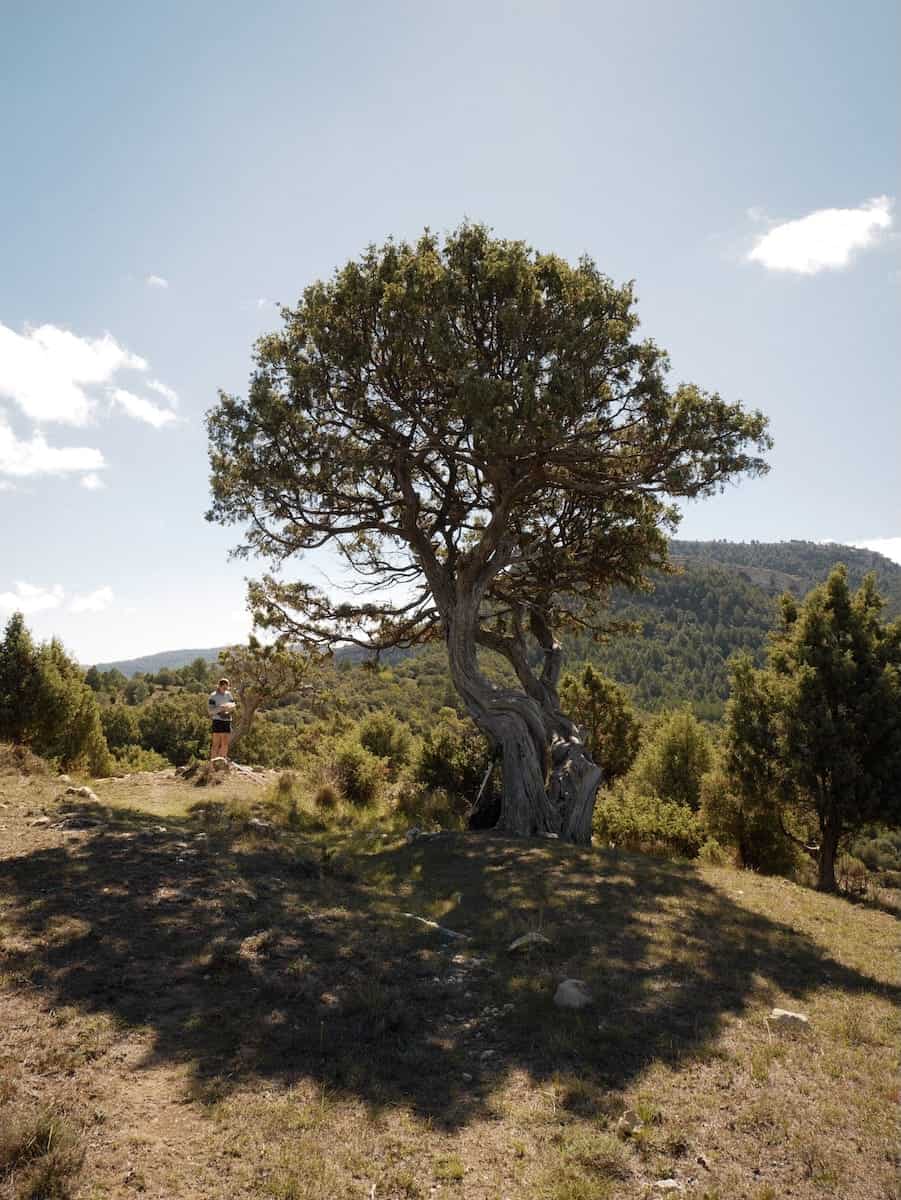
270	743
359	773
453	756
176	727
419	805
713	853
752	827
386	737
135	758
646	823
120	726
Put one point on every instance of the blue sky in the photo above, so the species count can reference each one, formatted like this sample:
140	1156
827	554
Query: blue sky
170	170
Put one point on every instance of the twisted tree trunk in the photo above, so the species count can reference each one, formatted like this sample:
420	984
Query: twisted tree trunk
550	781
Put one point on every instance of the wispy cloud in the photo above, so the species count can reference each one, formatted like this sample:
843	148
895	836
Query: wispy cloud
19	458
97	601
263	302
823	240
92	482
142	409
168	393
156	281
27	598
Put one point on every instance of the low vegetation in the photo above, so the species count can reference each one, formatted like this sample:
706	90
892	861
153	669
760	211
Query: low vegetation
218	991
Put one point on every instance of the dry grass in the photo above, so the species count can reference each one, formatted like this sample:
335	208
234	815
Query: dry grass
223	1009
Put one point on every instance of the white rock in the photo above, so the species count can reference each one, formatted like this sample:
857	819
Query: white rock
219	764
573	993
668	1185
63	779
529	939
40	821
783	1019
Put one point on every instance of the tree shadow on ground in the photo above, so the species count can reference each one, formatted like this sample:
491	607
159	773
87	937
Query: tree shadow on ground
251	958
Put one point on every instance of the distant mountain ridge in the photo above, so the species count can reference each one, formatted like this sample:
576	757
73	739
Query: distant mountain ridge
723	600
149	664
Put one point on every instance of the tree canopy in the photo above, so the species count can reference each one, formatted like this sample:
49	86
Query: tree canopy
477	430
817	735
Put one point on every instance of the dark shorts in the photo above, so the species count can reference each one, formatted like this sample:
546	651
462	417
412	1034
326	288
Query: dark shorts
222	726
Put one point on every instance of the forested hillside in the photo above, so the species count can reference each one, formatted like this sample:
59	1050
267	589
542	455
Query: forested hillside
721	600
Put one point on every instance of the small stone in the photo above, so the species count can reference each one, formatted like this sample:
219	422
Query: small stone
260	826
412	834
668	1185
466	1077
783	1019
487	1055
630	1122
573	993
40	821
529	939
63	779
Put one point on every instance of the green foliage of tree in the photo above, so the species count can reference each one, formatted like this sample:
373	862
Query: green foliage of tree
136	690
611	725
46	704
817	734
177	727
120	726
270	743
673	761
735	818
386	737
480	423
261	675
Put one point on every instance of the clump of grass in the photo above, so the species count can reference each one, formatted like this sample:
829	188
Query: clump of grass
326	797
601	1152
449	1169
43	1150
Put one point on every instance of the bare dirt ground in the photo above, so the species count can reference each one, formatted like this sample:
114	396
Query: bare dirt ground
196	1006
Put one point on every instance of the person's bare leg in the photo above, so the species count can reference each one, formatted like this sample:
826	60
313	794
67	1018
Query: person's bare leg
226	738
216	746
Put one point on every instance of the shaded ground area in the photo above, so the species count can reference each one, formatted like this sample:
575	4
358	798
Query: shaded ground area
245	963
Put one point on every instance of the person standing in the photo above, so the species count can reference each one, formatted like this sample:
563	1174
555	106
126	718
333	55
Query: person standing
221	705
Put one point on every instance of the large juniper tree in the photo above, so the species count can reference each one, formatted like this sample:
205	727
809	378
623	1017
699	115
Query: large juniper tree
478	431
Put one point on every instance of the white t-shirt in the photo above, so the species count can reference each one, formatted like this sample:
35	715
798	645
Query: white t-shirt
214	705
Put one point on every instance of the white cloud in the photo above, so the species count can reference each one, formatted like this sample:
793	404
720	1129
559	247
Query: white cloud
156	281
92	482
20	458
143	409
825	239
97	601
167	393
47	370
262	302
30	599
890	547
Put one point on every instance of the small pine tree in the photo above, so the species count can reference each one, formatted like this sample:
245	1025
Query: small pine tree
610	724
673	763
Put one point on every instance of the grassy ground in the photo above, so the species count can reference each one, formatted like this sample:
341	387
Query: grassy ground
194	1007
